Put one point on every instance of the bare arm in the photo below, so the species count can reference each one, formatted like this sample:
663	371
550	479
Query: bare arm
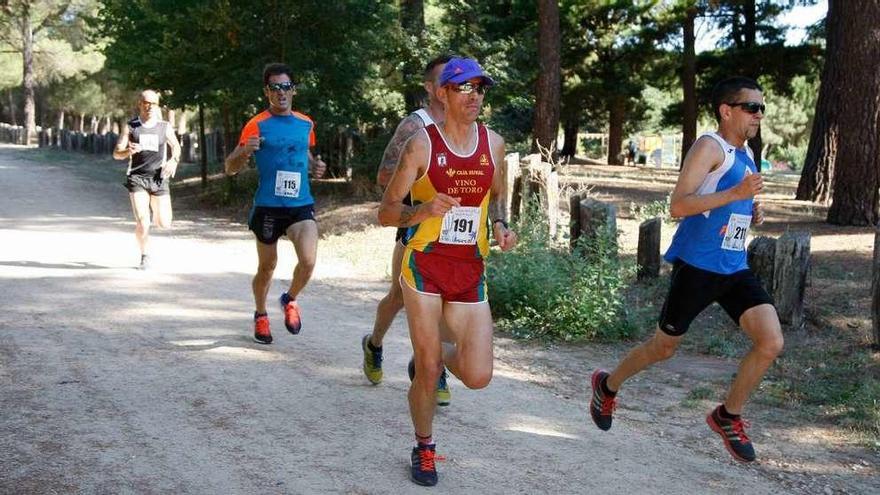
121	151
405	129
412	164
704	156
170	167
505	237
239	157
316	166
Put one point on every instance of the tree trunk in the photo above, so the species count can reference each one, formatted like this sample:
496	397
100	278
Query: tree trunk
60	120
203	148
27	36
689	85
412	20
82	123
570	129
857	168
548	87
817	176
750	30
183	123
13	118
616	116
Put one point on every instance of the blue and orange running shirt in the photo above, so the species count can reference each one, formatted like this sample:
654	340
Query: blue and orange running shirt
463	232
283	158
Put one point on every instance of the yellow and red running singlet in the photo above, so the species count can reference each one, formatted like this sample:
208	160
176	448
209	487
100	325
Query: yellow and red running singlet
463	232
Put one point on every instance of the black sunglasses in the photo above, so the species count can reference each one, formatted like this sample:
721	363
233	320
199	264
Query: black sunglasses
467	88
749	106
285	86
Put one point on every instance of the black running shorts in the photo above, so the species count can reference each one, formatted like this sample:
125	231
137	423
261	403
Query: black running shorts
268	224
691	290
154	184
401	235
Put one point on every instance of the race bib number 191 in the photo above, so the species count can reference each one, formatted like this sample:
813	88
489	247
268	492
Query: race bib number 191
460	225
737	231
287	184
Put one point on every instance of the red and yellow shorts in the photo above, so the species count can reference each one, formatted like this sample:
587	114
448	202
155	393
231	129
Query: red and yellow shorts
456	280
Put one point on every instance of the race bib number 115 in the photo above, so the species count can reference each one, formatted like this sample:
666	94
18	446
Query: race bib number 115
287	184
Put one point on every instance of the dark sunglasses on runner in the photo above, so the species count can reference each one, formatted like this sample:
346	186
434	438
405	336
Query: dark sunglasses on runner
467	88
750	106
285	86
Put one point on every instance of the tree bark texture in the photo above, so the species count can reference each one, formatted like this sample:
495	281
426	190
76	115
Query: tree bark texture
570	132
856	195
412	20
817	176
689	85
27	36
548	86
616	116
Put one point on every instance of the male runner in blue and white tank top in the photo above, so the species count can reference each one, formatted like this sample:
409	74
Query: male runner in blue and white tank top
715	195
144	141
433	113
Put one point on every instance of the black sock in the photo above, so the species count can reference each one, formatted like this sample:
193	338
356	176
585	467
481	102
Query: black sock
722	411
257	315
604	386
372	347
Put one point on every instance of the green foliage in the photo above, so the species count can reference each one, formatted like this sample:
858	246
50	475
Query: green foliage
787	130
514	122
839	383
593	147
647	211
540	289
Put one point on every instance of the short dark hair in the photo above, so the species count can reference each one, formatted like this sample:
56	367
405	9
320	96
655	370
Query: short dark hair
442	59
276	69
726	90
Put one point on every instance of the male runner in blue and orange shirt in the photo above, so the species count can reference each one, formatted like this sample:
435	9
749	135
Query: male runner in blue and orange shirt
279	139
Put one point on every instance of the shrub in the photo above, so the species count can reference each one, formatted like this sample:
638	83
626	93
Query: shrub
647	211
541	289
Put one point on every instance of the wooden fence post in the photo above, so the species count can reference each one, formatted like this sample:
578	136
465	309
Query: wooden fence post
574	222
598	219
790	267
648	255
510	170
761	258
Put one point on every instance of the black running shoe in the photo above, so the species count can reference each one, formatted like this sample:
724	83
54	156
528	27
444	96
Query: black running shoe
601	406
423	470
733	432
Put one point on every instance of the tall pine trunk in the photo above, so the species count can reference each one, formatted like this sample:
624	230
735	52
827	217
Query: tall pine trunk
856	194
412	20
817	176
27	36
570	132
548	87
616	116
689	84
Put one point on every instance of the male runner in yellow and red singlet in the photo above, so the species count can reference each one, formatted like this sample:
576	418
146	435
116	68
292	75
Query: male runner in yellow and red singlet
392	303
449	170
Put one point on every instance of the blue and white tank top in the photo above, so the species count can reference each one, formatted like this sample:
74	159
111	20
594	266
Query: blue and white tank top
715	240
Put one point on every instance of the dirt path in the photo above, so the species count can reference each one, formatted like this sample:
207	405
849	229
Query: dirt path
119	381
